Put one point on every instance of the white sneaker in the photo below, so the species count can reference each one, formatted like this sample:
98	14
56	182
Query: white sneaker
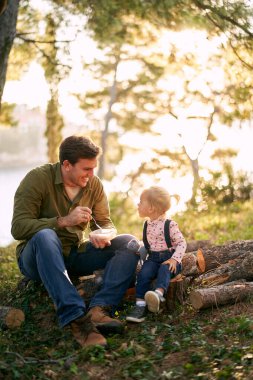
153	301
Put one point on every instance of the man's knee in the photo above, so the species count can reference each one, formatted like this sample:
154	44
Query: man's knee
45	233
122	240
46	237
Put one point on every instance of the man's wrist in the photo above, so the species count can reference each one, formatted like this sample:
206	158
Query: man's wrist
60	221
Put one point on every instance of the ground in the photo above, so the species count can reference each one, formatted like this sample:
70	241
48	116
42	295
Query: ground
210	344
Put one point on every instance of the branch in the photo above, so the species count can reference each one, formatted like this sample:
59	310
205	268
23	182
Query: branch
230	43
31	40
53	62
239	57
223	16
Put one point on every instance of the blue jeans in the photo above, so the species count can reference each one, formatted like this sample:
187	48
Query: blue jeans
153	269
42	260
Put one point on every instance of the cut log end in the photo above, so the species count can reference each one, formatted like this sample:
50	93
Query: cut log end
11	317
201	264
15	318
196	300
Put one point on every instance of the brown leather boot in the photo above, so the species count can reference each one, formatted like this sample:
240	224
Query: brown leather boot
100	316
85	332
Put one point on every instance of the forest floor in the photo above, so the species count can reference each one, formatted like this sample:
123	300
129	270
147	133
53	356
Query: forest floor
216	343
210	344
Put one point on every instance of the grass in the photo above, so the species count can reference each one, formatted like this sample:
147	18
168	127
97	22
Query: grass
218	224
210	344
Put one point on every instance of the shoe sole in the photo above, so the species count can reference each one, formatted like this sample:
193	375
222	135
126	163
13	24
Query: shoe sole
110	328
153	302
136	320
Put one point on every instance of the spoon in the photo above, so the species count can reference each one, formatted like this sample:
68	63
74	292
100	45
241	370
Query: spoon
97	225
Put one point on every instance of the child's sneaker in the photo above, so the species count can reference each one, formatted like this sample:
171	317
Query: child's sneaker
137	314
153	301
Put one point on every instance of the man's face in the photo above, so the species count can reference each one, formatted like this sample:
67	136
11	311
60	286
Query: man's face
80	173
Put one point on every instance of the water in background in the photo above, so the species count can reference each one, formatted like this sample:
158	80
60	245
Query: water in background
9	181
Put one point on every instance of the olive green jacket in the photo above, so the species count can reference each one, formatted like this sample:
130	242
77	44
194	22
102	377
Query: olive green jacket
41	198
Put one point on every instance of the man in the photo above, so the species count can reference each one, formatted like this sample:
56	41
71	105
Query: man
53	206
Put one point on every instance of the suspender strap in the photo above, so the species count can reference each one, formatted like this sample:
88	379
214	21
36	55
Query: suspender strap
166	234
144	237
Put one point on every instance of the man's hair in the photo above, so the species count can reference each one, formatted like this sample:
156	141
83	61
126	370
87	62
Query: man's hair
158	197
75	147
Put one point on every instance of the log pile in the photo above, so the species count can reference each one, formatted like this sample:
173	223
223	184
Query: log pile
222	275
216	274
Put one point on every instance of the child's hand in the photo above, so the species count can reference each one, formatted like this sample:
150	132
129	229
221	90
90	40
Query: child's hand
172	264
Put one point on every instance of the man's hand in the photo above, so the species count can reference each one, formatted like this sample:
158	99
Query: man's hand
99	242
172	263
102	238
77	216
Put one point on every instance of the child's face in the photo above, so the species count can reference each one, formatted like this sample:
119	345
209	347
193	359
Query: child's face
144	207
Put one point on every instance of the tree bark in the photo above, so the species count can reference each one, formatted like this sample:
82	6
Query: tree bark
176	292
194	245
3	5
108	117
195	186
236	269
220	254
8	21
11	317
220	295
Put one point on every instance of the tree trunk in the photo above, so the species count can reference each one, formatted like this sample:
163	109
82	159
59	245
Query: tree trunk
55	124
218	255
108	117
11	317
176	292
221	295
195	186
236	269
8	21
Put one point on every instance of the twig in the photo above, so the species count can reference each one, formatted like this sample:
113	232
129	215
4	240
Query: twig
31	360
32	40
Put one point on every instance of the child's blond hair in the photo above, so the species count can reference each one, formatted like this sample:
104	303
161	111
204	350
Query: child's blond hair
158	197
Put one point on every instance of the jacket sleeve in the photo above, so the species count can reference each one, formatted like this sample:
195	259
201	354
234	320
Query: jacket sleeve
178	242
28	201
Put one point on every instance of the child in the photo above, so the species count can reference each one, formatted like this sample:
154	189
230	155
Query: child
163	263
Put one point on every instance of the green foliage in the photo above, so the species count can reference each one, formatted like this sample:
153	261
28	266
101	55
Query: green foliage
124	213
225	186
218	223
6	115
218	191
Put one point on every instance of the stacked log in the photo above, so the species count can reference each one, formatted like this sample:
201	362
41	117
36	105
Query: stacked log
220	254
221	294
227	276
